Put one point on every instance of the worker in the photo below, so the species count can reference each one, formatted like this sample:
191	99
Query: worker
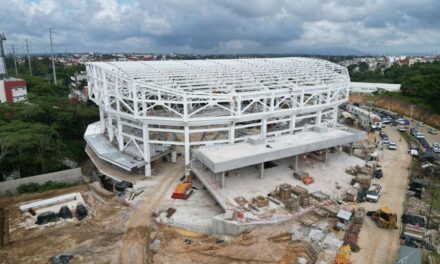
400	139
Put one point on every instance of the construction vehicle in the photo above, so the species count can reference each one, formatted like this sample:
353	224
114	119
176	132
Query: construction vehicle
183	190
384	218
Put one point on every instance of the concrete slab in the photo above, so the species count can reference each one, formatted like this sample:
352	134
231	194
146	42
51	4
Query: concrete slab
220	158
195	213
329	178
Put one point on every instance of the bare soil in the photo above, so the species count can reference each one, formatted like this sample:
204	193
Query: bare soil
380	245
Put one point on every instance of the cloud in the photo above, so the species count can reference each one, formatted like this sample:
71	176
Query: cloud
204	26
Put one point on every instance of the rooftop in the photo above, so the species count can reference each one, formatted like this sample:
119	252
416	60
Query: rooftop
220	77
220	158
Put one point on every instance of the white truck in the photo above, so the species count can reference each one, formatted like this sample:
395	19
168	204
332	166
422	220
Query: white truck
373	193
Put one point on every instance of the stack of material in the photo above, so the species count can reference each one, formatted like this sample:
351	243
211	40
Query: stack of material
333	209
241	200
413	232
359	216
285	191
292	205
260	201
363	180
351	195
354	170
304	200
320	196
351	237
298	190
415	206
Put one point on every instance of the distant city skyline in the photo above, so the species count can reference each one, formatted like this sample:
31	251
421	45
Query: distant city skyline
341	27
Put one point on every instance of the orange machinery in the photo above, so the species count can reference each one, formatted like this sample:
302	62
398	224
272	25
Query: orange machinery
183	190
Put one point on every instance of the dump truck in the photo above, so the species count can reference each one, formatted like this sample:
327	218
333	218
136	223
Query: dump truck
384	218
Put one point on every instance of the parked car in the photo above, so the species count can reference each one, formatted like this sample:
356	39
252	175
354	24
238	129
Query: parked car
433	131
420	124
392	145
385	141
419	135
373	193
383	135
436	147
402	128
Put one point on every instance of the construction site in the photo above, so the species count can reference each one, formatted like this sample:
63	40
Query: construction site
225	161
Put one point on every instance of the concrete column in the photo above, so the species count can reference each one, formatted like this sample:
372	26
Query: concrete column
295	163
318	117
231	134
111	132
173	156
325	156
187	149
292	124
102	120
146	150
120	138
264	128
223	180
262	170
351	149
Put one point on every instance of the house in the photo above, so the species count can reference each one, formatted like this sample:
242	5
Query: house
12	90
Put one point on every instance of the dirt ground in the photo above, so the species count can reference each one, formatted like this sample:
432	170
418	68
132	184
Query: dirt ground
381	245
121	234
93	240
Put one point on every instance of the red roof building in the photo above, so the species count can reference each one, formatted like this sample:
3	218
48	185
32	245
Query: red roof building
12	90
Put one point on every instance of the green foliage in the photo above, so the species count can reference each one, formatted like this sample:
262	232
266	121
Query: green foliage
420	81
47	186
40	133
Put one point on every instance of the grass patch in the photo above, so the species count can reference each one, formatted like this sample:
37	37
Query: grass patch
47	186
434	255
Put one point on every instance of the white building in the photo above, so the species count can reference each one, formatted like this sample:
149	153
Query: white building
12	90
149	109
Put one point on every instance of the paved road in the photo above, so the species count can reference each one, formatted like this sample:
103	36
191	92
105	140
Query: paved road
381	245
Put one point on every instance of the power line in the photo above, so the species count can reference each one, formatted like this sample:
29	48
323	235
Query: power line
53	59
29	57
15	60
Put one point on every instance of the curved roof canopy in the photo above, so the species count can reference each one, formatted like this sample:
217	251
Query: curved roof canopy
230	76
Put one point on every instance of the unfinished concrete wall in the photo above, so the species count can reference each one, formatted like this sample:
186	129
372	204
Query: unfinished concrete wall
68	176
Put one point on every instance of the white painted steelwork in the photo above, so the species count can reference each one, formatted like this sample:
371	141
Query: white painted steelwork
204	102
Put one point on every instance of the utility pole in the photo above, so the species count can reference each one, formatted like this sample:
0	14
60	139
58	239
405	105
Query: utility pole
2	56
15	60
29	57
53	59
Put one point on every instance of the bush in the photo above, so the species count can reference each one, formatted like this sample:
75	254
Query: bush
47	186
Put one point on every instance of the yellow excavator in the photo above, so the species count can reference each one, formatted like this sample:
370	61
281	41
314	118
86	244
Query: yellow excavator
384	218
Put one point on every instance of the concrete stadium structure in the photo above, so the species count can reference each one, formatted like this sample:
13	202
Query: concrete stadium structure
149	109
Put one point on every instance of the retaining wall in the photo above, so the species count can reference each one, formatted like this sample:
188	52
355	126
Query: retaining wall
68	176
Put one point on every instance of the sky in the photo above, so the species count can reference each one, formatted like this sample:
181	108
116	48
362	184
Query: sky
382	27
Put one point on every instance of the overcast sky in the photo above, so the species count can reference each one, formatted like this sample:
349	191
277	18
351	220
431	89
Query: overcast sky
231	26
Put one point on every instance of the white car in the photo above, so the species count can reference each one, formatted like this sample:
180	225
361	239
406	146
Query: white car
392	145
402	128
436	147
419	135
